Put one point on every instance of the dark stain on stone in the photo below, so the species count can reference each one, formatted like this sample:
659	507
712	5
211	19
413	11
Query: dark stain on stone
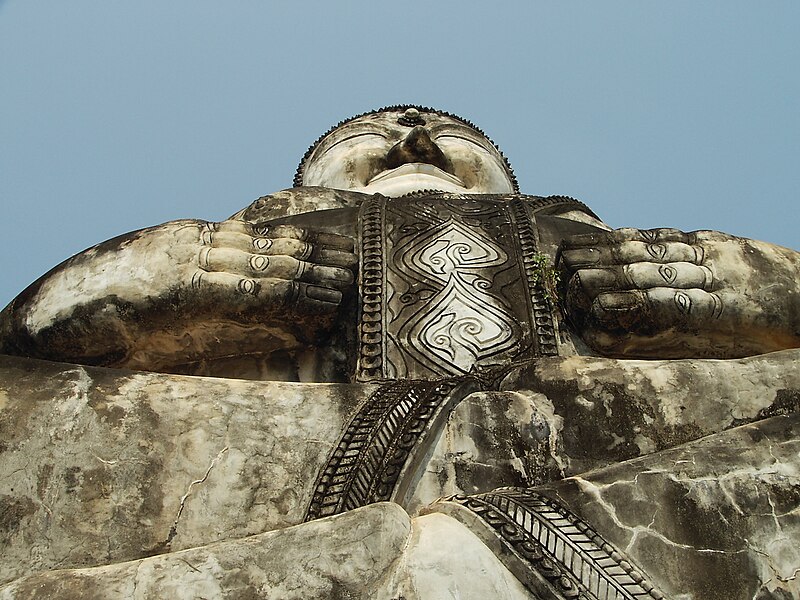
12	512
501	442
110	414
694	525
777	594
150	490
72	479
754	257
148	419
540	465
529	442
30	385
670	436
43	480
474	478
245	589
785	497
473	475
605	432
62	584
346	400
110	383
786	402
755	434
340	591
96	485
724	529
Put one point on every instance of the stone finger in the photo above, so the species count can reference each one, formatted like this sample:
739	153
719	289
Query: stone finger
309	298
643	276
237	262
334	241
263	229
626	234
270	291
688	305
232	226
291	269
587	240
267	229
282	247
263	245
327	276
680	275
658	235
281	231
229	239
631	252
591	282
228	283
578	302
655	310
336	258
620	310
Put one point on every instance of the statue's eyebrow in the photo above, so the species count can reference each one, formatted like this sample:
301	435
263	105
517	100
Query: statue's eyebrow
473	140
356	135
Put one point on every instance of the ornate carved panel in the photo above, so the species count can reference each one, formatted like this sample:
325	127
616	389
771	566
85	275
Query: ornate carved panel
448	283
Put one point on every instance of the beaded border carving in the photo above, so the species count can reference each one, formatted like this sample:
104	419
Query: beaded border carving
559	546
367	463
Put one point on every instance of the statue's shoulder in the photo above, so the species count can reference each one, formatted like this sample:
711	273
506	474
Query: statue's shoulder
299	200
539	205
563	207
556	205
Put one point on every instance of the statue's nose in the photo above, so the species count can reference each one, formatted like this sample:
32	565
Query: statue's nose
417	147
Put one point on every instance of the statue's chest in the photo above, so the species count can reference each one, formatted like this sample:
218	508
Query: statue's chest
448	284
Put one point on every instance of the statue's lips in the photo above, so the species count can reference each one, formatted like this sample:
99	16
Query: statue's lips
416	169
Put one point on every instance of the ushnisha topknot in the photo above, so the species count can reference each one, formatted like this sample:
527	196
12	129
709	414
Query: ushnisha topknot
298	177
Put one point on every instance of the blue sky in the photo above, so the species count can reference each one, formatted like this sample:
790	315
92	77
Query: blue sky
121	115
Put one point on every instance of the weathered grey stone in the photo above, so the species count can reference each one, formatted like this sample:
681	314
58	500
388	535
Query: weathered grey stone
715	519
534	429
101	466
372	552
419	329
347	556
444	559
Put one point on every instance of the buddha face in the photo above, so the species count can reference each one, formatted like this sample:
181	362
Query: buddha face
395	153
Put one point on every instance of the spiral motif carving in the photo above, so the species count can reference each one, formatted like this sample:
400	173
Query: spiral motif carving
435	265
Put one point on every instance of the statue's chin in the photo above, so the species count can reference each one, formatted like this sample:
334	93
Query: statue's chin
413	177
406	185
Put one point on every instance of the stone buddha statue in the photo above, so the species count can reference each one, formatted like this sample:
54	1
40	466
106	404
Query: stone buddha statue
402	378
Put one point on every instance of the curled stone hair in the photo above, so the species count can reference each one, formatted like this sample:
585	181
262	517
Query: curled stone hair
298	177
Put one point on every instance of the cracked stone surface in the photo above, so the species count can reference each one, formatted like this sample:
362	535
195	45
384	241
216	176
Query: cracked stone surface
100	465
718	518
535	430
406	259
372	552
353	553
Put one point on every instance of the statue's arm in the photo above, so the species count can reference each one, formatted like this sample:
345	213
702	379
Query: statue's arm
663	293
182	291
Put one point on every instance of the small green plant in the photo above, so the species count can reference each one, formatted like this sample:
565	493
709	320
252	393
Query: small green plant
545	274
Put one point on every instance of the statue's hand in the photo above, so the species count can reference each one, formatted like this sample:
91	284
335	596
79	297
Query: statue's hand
663	293
183	291
280	265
